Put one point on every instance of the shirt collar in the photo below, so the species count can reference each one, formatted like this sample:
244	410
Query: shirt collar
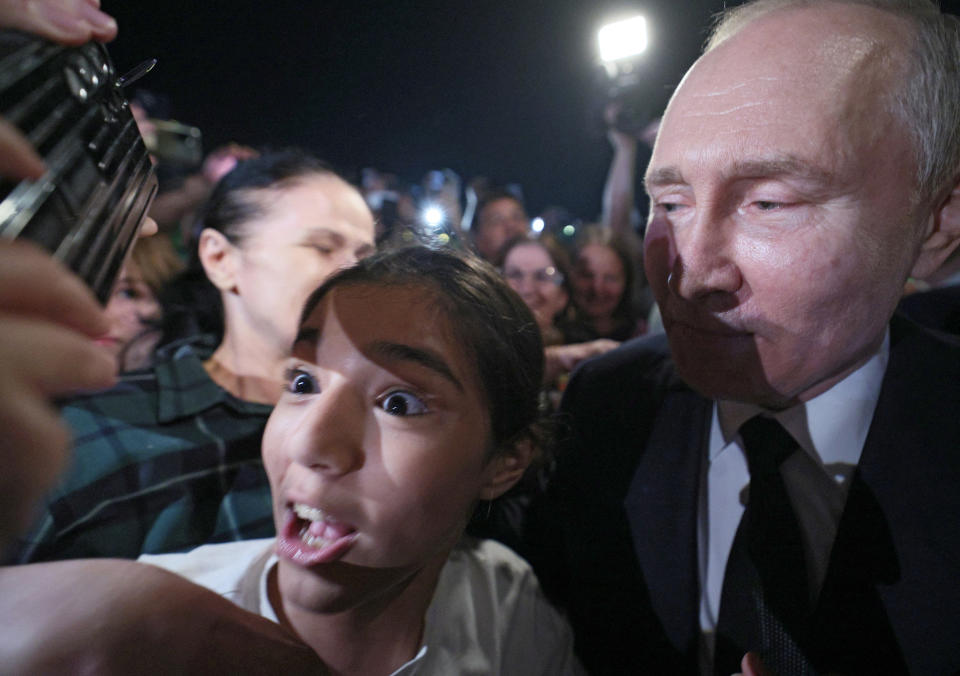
831	428
184	389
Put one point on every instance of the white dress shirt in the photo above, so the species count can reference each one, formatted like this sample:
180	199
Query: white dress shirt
831	429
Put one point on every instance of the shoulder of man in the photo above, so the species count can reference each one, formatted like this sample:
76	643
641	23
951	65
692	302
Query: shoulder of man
617	386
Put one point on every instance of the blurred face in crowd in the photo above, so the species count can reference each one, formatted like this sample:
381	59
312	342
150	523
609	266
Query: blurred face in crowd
377	449
530	271
782	227
500	221
132	312
599	281
309	229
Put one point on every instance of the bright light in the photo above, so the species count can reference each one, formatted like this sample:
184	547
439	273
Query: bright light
537	224
569	230
622	39
433	216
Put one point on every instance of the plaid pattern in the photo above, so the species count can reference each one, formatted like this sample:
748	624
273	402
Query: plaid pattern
164	461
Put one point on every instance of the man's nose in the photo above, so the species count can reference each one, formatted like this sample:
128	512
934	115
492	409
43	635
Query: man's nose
329	436
705	266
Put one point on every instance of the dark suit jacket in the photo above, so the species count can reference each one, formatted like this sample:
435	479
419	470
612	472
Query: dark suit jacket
936	309
615	541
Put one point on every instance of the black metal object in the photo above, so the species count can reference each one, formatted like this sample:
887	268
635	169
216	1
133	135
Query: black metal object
87	208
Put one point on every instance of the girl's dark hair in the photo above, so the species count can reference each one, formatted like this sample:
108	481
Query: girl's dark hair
492	322
192	304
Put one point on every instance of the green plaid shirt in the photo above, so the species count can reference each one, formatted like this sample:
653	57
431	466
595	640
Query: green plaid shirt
164	461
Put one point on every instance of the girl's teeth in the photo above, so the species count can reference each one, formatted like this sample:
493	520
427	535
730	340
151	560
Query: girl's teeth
308	513
312	540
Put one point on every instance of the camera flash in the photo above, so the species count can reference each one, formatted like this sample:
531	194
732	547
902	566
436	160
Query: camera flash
622	39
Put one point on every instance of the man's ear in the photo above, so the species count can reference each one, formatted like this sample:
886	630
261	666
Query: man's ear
504	470
942	235
218	257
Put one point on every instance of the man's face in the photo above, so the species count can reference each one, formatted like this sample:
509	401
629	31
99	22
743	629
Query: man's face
781	227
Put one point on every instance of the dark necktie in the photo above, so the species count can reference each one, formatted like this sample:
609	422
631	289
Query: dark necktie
765	599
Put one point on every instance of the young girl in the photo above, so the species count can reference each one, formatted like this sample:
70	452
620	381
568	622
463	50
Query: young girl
411	395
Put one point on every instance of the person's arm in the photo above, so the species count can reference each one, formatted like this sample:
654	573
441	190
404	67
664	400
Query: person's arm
618	190
107	616
560	359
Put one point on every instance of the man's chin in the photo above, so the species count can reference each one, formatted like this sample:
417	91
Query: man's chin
729	376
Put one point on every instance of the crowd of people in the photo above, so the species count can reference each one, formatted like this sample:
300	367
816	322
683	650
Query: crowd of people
388	428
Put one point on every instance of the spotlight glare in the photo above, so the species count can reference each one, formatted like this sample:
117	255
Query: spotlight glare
622	39
537	224
433	216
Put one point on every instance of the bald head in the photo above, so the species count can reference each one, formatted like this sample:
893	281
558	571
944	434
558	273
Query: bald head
926	96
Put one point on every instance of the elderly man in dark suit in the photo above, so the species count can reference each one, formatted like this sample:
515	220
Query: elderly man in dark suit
779	478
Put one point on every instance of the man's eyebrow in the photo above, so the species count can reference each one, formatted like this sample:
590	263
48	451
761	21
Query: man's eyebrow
780	166
423	357
663	176
750	168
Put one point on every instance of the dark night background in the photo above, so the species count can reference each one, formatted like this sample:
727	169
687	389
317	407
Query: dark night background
499	89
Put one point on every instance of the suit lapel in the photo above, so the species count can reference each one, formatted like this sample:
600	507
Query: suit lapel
896	541
661	506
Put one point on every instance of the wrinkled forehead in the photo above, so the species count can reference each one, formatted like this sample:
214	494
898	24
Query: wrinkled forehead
823	60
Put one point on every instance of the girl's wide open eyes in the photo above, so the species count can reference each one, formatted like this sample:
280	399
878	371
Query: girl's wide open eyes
301	382
402	403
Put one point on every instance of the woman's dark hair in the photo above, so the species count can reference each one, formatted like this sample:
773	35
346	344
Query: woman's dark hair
492	322
192	304
624	311
557	255
560	261
491	195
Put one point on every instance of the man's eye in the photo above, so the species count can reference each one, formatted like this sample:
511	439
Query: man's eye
300	382
668	207
402	403
765	205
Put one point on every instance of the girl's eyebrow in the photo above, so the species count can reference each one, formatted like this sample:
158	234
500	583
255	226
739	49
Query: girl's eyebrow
424	357
392	352
307	334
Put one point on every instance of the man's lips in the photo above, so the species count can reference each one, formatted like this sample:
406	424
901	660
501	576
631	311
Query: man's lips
709	328
309	536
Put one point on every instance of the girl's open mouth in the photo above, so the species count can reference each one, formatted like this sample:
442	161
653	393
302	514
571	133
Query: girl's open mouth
310	536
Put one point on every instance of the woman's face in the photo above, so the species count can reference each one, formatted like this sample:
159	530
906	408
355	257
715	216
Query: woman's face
599	281
530	271
309	230
132	311
377	449
498	223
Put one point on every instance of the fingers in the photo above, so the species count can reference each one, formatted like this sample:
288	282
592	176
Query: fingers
33	450
752	665
69	22
149	227
41	359
34	284
18	159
